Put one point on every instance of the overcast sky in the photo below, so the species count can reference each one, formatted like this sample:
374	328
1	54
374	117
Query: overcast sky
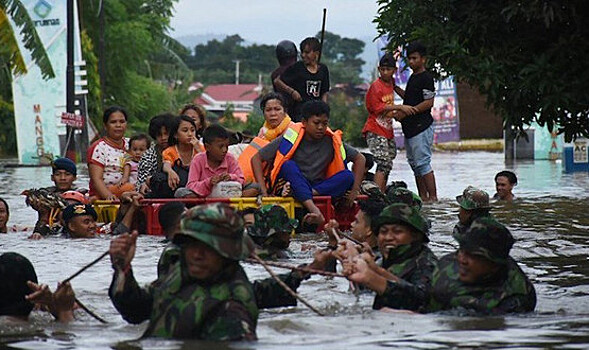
268	22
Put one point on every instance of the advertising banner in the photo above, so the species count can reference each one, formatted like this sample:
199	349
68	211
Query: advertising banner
38	103
444	111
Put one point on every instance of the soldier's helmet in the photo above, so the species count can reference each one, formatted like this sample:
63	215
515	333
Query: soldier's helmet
488	238
270	219
371	189
401	213
403	195
473	198
217	225
286	49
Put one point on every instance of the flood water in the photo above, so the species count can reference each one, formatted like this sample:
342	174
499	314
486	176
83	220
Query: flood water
550	221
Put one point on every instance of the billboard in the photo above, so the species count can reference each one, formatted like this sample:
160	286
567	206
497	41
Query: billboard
38	103
445	109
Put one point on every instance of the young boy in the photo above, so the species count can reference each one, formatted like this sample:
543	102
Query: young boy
312	158
378	130
138	144
416	119
214	166
63	176
505	181
305	80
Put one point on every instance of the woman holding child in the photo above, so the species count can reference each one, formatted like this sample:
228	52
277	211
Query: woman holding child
106	155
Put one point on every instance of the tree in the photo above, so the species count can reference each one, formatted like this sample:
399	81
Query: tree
341	57
139	56
9	50
529	57
13	63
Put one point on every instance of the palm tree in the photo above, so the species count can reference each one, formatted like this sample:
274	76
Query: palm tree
10	53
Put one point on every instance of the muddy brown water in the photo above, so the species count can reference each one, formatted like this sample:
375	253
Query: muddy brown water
550	221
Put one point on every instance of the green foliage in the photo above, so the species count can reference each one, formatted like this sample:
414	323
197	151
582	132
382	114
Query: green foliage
8	134
93	78
140	58
9	50
529	58
214	62
348	115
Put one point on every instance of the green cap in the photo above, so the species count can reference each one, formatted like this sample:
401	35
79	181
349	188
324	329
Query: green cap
473	198
270	219
488	238
401	213
217	225
403	195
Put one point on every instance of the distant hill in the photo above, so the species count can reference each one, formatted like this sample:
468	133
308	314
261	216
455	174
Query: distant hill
190	41
369	55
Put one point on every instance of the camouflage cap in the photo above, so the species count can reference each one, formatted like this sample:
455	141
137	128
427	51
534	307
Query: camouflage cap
488	238
217	225
404	214
403	195
473	198
270	219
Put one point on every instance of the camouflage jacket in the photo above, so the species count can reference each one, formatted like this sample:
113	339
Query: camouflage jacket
268	293
509	291
223	309
414	265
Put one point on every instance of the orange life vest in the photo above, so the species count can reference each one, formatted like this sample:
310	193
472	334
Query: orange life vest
245	158
291	140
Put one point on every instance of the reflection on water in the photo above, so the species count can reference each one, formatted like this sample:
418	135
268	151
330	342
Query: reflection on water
550	221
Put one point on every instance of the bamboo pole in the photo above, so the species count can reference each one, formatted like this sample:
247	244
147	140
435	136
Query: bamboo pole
283	285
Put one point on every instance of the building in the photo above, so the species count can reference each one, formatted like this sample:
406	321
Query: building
243	98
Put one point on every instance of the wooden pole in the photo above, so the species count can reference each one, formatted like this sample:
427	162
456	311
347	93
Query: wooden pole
298	268
322	34
283	285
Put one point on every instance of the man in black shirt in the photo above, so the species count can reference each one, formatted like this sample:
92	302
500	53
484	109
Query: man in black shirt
286	54
305	80
416	121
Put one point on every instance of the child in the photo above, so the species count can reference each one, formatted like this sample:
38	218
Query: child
416	119
138	144
313	159
210	168
183	147
305	80
378	130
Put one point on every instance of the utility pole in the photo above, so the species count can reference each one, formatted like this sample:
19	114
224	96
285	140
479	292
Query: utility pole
236	71
70	151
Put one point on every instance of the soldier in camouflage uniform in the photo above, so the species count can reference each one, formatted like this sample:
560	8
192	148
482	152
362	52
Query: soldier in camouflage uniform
271	231
403	195
474	203
205	294
403	280
481	276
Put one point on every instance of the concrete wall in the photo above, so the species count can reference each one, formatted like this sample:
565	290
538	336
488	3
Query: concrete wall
476	121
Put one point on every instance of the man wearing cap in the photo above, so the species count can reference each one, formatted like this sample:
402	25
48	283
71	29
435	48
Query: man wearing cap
80	221
206	294
481	277
271	232
403	280
474	203
63	175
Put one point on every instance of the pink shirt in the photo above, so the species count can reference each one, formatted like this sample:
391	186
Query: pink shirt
200	173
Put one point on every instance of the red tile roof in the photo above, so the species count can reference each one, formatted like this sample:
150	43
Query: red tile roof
232	92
